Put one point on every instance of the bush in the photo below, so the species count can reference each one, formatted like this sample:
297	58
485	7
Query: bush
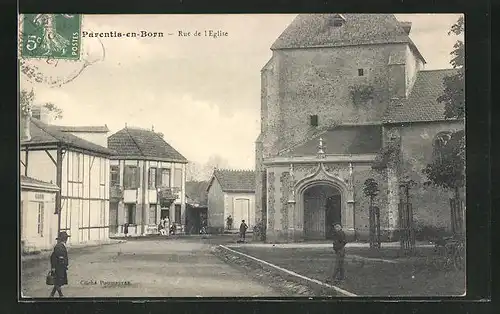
259	231
430	233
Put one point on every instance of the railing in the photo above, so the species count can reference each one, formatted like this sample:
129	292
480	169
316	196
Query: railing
115	192
167	195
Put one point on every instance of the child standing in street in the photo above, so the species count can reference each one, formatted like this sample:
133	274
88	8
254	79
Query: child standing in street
243	230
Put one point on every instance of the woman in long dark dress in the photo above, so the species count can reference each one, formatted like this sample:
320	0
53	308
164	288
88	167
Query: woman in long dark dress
59	264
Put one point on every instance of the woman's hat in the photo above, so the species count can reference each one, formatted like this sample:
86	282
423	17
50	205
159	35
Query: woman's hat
63	235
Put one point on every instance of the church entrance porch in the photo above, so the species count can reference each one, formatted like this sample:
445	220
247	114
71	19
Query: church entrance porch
322	208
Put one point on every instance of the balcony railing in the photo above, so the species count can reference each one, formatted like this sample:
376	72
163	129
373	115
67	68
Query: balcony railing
115	192
167	195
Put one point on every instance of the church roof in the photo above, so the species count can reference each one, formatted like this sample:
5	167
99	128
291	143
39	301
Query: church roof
421	105
46	134
242	181
135	143
317	30
342	139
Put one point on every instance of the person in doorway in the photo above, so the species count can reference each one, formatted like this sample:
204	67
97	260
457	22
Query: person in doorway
161	227
339	242
229	222
59	264
243	230
125	229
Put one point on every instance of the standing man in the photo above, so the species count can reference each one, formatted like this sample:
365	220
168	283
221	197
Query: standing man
229	223
339	242
166	225
243	230
59	264
125	229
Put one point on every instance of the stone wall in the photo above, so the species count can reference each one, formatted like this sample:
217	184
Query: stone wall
318	82
430	204
362	222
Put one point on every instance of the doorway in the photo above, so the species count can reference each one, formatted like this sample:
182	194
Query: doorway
332	214
322	208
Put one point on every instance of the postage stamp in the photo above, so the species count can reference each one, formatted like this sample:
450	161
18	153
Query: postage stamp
54	36
51	49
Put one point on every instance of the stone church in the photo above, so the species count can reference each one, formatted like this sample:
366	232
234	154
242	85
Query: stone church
338	90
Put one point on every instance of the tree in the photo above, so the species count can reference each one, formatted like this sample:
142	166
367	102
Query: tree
371	190
193	171
214	161
447	169
454	95
26	100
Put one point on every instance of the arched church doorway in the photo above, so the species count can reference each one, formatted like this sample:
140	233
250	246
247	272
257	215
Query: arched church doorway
322	208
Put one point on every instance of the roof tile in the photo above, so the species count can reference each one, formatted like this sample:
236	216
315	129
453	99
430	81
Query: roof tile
235	180
317	30
30	180
134	142
421	105
358	139
42	133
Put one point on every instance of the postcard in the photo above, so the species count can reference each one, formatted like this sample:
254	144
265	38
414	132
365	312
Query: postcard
248	155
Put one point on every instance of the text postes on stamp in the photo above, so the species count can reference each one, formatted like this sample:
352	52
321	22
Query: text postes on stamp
52	36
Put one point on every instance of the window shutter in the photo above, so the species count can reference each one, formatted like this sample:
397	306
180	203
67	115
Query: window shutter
158	177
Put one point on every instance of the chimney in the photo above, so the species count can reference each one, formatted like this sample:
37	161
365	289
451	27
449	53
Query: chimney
25	125
41	113
397	75
406	26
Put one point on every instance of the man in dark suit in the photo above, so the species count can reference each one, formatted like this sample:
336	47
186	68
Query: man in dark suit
339	242
59	264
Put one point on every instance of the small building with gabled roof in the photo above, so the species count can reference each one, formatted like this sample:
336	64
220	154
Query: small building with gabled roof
147	182
231	193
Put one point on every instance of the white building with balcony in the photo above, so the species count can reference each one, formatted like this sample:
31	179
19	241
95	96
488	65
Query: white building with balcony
147	181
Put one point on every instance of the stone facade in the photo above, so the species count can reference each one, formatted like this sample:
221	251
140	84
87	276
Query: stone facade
346	84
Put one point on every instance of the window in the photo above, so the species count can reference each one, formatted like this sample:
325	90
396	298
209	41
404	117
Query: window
152	214
131	177
361	72
130	214
337	22
313	119
164	178
40	219
115	175
177	178
152	178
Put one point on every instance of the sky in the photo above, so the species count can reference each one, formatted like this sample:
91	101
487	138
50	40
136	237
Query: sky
202	93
